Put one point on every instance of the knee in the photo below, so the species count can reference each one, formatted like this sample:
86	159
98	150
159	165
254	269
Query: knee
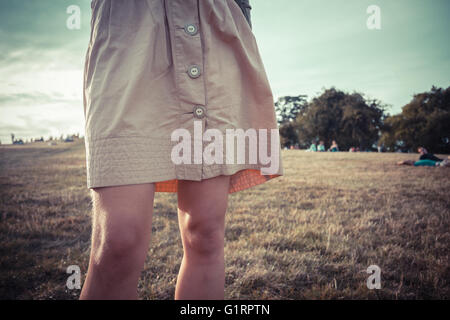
203	239
118	250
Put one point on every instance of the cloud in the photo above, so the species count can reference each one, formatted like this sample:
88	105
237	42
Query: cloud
49	120
34	99
41	61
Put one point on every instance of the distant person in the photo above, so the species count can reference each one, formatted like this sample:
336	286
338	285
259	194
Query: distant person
312	147
426	163
426	159
334	147
424	155
321	147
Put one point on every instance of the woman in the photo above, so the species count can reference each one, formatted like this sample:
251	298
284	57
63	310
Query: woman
334	147
426	163
425	155
312	147
157	74
321	146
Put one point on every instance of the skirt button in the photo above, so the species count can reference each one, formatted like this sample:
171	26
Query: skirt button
194	71
199	112
190	29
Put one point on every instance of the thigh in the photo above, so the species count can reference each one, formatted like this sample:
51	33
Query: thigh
122	212
203	202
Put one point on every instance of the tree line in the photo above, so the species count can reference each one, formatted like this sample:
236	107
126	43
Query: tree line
355	121
65	138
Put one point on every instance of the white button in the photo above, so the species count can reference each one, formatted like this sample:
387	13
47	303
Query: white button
194	71
191	29
199	112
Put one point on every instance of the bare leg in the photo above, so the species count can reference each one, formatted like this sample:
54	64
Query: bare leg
201	215
406	162
121	230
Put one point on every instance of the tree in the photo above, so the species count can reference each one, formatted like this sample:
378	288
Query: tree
349	119
288	134
288	107
423	122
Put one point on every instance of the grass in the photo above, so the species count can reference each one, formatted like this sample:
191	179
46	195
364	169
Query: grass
310	234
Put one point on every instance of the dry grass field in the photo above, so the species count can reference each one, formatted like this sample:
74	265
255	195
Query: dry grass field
308	235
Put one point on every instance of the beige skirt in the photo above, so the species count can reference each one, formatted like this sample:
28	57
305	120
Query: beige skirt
162	75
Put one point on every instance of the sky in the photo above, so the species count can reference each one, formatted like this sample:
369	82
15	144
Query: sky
306	46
